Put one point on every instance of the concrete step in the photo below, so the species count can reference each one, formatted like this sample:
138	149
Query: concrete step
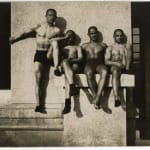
17	116
27	111
31	124
21	126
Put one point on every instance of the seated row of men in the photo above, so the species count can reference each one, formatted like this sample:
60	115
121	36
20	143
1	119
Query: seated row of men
92	57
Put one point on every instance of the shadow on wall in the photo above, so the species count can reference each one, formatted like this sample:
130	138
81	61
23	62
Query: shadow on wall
77	40
100	36
61	23
125	39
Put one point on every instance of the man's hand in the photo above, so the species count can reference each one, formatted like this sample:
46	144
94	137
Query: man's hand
67	35
12	40
120	65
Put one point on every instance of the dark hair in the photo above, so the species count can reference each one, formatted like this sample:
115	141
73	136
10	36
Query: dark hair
51	10
73	33
116	30
92	27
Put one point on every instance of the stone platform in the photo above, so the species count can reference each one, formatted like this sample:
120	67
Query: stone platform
21	126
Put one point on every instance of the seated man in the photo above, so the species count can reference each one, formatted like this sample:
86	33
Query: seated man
71	64
94	63
116	58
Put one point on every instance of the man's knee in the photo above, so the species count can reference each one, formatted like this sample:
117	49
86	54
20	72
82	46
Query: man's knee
65	61
65	64
104	73
54	44
115	74
38	76
76	68
89	74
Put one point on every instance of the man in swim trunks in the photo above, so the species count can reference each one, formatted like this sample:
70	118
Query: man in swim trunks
44	33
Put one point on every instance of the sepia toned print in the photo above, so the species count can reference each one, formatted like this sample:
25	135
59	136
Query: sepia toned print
72	78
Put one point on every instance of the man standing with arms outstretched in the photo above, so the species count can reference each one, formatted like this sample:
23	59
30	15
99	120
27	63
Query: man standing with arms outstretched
43	33
94	63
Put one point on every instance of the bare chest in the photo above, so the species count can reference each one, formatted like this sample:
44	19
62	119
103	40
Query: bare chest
94	49
46	32
118	50
70	51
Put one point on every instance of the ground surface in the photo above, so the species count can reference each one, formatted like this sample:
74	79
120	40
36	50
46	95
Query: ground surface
95	128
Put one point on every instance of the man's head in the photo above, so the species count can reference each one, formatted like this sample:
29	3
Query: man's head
51	16
93	33
119	36
71	37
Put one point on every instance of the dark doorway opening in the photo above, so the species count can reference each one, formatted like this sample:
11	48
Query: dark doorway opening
141	20
5	59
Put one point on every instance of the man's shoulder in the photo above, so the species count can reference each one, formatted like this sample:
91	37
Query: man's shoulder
110	47
56	28
84	45
104	45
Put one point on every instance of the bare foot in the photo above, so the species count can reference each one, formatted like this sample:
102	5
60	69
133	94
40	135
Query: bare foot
89	96
97	106
78	112
123	105
107	110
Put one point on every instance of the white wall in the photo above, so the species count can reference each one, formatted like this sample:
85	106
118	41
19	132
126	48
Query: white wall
107	16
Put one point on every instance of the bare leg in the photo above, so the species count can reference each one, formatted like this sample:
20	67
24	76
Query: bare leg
116	85
122	98
70	77
77	107
101	83
55	47
55	53
38	77
68	71
67	107
44	84
91	82
104	102
88	94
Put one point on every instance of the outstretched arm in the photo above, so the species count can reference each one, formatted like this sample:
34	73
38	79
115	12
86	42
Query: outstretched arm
59	38
24	35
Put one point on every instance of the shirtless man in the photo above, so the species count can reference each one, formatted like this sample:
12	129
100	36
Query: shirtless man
116	58
94	63
72	63
44	33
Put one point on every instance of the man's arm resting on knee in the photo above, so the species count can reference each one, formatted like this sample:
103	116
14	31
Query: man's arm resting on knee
79	58
108	60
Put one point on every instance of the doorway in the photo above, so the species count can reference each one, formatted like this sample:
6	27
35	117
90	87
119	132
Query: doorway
141	65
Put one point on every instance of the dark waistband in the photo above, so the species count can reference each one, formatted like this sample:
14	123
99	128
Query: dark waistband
39	51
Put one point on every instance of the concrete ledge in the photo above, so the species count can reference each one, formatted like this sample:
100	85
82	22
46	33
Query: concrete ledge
127	80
